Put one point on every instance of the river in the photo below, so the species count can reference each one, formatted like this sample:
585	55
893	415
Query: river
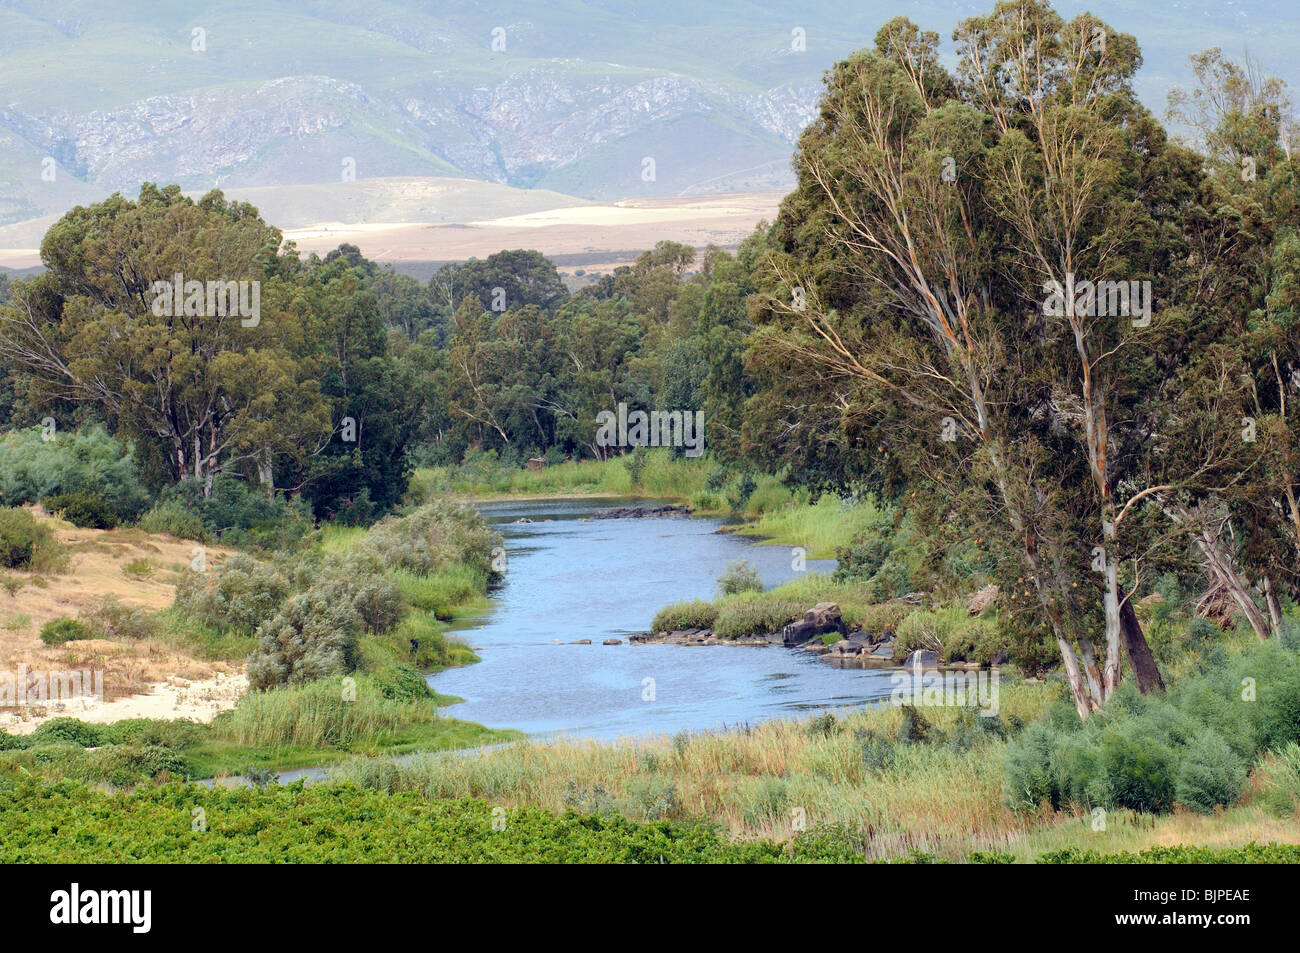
569	577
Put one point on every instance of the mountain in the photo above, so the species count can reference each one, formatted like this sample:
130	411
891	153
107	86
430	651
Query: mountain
577	97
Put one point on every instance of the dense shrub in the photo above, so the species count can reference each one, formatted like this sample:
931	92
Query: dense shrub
27	543
58	631
241	595
358	579
86	461
108	618
312	636
234	512
172	517
82	509
739	576
1190	747
433	537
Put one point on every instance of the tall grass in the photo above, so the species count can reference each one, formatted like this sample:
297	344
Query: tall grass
759	781
819	527
439	592
317	715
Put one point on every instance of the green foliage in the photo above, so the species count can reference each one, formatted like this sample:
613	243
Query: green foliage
81	509
433	537
1148	753
242	594
58	631
235	513
26	543
172	517
681	616
83	465
739	576
312	636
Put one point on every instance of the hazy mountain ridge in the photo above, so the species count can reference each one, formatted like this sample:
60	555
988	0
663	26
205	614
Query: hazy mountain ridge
297	93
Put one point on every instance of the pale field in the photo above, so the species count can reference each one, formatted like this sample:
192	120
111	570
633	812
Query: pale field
605	234
141	678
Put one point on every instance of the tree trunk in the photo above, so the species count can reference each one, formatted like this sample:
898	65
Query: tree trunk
1274	606
1139	654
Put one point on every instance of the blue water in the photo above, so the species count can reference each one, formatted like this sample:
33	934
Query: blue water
570	578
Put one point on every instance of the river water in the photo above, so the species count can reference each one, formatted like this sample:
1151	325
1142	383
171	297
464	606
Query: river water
569	577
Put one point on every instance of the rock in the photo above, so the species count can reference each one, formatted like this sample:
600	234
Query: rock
820	619
522	519
922	658
883	650
640	512
859	637
612	642
982	599
581	642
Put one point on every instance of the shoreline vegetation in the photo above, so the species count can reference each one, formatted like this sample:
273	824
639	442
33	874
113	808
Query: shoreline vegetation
1094	500
874	783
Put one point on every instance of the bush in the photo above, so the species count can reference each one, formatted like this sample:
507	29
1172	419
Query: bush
313	636
58	631
234	512
680	616
108	618
81	509
86	461
26	543
358	579
740	576
240	596
1209	774
433	537
175	519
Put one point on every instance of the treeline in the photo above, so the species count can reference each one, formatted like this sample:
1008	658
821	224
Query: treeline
1001	295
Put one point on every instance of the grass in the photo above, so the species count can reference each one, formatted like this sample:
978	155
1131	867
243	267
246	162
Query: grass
457	586
753	781
820	527
853	775
758	613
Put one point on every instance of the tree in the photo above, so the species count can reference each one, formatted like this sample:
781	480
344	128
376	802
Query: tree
203	377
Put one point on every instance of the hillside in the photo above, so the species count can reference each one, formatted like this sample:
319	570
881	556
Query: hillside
278	95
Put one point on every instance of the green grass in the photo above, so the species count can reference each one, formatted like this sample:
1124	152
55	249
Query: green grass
334	538
819	527
457	586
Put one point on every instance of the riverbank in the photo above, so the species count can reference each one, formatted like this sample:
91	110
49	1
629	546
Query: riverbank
760	506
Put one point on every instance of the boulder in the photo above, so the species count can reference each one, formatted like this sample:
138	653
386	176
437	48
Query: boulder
820	619
923	659
612	642
581	642
883	650
641	512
